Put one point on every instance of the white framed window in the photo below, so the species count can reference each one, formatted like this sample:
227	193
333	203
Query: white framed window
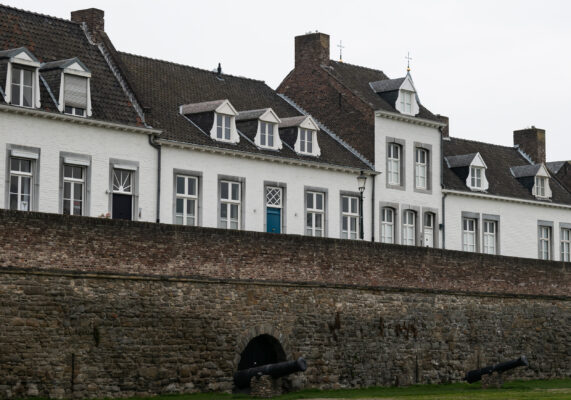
406	101
77	111
490	237
267	134
73	190
223	126
315	213
393	163
22	87
122	181
75	94
565	244
409	228
230	205
21	184
387	225
186	207
421	168
545	243
428	229
476	177
540	184
349	217
469	234
306	141
274	196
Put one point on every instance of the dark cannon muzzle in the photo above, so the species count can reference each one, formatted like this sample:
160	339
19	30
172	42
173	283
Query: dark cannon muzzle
242	377
476	375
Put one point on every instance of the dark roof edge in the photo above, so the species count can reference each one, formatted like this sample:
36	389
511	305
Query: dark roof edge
38	14
325	129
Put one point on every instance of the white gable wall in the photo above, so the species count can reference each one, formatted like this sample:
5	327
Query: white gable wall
406	197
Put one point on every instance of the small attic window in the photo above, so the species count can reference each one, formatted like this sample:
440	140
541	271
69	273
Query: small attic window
541	188
75	95
22	87
223	126
307	141
406	101
22	78
267	133
476	177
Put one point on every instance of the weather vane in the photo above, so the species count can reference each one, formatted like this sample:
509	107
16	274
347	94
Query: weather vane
341	47
408	58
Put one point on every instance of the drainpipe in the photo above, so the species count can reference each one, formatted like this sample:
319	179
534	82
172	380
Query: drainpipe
158	147
444	219
444	194
373	210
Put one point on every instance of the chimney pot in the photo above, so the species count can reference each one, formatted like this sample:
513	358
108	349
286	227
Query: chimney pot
94	18
532	142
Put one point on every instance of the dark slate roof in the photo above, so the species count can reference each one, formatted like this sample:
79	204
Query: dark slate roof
250	114
358	79
525	170
500	161
555	166
387	85
204	106
292	121
9	53
460	161
162	87
52	39
63	64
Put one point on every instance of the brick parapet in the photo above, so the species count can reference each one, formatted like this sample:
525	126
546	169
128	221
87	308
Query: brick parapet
92	245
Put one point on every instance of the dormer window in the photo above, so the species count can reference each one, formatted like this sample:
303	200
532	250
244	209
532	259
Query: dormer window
540	182
406	101
267	130
306	141
476	177
75	94
535	178
223	126
22	87
21	79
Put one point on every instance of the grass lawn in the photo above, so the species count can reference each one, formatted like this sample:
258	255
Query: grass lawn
553	389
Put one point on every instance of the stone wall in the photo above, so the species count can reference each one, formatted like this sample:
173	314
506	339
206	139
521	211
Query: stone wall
93	308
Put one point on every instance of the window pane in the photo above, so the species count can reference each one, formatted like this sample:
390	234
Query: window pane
233	211
309	147
78	172
235	191
25	166
27	100
309	220
25	185
309	200
191	207
344	222
224	211
180	206
224	190
318	221
78	191
13	184
345	204
27	77
16	75
353	224
14	201
192	186
16	94
354	207
319	201
180	185
227	127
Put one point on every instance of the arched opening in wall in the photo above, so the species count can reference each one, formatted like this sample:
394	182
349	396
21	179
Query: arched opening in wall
261	350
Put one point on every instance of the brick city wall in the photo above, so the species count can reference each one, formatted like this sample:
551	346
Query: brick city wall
93	308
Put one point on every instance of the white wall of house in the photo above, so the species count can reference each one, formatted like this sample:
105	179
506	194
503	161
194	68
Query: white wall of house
517	225
406	196
101	145
254	175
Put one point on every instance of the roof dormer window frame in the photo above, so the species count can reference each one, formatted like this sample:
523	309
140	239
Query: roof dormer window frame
477	180
407	102
267	135
541	188
20	61
224	125
73	107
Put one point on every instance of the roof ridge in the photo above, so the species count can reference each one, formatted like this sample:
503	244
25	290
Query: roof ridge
39	14
189	66
486	143
360	66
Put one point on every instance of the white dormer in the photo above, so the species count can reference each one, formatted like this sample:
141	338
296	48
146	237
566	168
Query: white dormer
224	126
22	78
541	188
476	179
306	142
74	86
267	135
406	102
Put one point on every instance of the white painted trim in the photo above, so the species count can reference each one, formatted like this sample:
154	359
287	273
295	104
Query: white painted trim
409	119
78	120
76	161
127	167
504	198
28	63
77	72
24	154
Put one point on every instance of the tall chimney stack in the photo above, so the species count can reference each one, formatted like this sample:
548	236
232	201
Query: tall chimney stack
532	142
446	129
94	19
311	50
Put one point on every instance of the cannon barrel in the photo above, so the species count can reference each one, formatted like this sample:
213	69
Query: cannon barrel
476	375
242	377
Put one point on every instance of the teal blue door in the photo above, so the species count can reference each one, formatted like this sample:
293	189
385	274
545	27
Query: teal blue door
274	220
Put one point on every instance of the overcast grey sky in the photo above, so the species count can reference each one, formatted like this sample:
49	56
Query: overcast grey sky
491	66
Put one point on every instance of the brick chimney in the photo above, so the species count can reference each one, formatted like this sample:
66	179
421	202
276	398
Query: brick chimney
532	142
93	18
446	129
312	49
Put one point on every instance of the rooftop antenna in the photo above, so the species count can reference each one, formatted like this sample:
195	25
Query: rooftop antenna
408	58
341	47
219	70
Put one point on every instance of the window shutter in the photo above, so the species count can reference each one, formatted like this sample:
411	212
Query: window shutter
75	91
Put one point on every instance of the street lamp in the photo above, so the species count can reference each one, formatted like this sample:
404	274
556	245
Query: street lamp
361	180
